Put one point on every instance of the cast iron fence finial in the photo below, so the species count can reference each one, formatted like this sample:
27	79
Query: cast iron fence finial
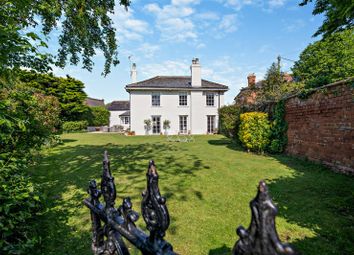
261	237
110	224
120	222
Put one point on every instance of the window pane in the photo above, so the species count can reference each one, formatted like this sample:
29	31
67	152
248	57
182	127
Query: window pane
210	99
183	124
183	99
155	99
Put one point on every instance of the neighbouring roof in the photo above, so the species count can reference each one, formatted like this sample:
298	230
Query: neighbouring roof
127	113
118	106
93	102
174	82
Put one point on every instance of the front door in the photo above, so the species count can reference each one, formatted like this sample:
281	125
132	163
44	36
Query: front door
210	124
156	124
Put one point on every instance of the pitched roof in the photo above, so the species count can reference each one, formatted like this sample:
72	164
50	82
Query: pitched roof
171	82
89	101
121	105
127	113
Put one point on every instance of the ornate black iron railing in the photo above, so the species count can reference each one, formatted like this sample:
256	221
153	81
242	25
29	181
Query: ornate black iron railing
110	224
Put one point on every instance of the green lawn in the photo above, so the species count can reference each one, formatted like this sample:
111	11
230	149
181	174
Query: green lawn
208	185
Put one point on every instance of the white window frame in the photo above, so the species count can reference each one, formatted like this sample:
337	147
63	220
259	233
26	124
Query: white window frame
210	99
183	99
211	124
157	101
183	124
156	127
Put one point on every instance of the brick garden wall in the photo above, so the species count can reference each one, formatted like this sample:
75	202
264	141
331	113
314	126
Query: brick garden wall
321	127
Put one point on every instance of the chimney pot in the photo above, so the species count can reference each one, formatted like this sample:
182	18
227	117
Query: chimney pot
251	78
133	73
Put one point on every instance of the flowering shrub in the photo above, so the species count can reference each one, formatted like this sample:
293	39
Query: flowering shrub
254	131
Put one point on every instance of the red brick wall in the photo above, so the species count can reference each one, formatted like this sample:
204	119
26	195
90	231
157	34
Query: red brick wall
321	127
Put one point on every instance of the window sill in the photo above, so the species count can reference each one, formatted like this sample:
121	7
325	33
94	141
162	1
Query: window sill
183	106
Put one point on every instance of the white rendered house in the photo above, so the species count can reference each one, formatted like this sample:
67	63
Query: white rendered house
190	103
119	114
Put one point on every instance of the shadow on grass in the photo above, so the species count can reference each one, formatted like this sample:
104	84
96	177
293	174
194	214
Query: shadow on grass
315	198
223	250
64	178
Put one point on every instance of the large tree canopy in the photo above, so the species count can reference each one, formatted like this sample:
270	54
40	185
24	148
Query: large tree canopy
328	60
69	91
85	27
339	15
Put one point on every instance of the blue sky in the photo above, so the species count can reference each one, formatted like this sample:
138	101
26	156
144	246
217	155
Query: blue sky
232	38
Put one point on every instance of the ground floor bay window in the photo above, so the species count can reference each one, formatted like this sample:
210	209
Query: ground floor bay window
211	124
156	124
183	124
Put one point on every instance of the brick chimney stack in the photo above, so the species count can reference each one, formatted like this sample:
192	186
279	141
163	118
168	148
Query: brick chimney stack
251	78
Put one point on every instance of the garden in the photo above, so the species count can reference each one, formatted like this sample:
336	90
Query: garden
208	185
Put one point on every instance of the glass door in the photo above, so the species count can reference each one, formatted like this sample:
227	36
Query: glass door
210	124
183	124
156	124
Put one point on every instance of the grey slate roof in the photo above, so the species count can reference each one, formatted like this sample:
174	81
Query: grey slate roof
93	102
118	106
174	82
127	113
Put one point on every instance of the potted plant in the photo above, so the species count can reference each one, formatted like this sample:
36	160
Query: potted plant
147	126
166	125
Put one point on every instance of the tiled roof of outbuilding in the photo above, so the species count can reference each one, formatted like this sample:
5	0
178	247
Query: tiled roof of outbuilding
93	102
118	106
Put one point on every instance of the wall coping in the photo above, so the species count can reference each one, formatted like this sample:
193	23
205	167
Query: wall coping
341	82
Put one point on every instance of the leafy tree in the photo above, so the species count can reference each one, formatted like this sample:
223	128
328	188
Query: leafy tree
339	15
69	91
229	120
27	121
327	60
85	26
99	116
273	81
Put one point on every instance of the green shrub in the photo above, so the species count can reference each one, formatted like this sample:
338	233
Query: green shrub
19	204
74	126
254	131
229	117
279	127
27	120
98	116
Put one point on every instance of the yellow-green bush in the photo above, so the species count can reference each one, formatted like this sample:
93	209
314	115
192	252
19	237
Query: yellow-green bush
254	131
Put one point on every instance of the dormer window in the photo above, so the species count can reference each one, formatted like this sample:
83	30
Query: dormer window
183	99
155	99
210	99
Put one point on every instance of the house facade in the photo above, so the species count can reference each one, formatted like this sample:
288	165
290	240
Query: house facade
189	103
119	114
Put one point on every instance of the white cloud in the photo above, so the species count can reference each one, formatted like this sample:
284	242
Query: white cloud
174	21
128	27
184	2
292	26
267	5
148	50
228	23
276	3
207	16
200	45
169	67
